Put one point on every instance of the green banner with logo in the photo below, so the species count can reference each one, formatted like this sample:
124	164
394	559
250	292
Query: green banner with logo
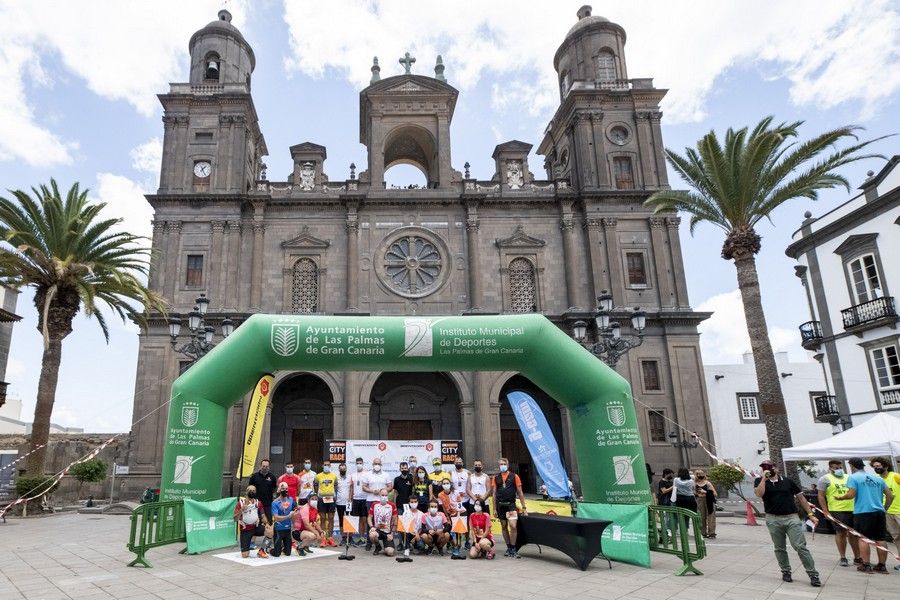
209	525
626	539
605	428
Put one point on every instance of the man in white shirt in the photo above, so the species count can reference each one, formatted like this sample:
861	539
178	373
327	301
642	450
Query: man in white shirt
342	497
372	484
460	480
307	479
358	505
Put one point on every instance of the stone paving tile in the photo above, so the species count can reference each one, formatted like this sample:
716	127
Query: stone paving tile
91	564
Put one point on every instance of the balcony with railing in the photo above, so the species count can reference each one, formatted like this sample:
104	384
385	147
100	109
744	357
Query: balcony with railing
826	409
811	335
870	314
890	397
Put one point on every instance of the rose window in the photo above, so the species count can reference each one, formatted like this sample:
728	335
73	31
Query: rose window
413	265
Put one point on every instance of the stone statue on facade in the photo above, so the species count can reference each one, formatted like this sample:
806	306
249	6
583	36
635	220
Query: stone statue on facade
307	176
514	177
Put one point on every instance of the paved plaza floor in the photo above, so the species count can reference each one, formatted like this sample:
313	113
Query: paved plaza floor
84	557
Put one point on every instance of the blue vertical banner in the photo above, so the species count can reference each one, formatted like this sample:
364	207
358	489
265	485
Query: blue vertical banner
541	444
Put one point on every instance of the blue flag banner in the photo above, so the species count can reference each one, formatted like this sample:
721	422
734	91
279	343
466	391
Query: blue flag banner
541	444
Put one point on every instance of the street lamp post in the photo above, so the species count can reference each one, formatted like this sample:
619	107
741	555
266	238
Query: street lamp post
611	344
201	334
678	441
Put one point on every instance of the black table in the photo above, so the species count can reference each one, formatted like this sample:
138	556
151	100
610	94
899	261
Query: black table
579	539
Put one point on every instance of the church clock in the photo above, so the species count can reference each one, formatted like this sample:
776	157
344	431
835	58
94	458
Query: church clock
202	169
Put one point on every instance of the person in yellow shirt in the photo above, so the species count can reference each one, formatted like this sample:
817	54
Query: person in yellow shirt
325	486
832	484
882	467
437	476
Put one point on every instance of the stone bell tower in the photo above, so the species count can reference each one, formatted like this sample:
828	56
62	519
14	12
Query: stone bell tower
405	119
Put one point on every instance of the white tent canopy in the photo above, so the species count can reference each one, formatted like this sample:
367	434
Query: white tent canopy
879	436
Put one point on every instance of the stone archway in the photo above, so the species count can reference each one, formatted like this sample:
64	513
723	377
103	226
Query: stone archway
302	420
412	145
415	406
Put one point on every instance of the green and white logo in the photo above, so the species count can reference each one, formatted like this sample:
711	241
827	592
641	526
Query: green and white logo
285	339
419	340
616	414
623	467
190	414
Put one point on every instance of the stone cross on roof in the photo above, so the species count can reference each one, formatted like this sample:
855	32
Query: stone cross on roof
407	62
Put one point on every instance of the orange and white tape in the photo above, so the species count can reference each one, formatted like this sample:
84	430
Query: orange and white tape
23	457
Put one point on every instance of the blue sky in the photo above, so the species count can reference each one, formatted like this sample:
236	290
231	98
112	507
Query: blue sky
77	102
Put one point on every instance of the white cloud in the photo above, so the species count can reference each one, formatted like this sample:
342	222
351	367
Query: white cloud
830	53
724	338
122	50
125	200
148	156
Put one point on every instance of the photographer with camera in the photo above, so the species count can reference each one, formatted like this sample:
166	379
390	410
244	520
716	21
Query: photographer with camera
779	497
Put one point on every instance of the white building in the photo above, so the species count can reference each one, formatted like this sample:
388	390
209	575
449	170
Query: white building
849	263
737	415
11	420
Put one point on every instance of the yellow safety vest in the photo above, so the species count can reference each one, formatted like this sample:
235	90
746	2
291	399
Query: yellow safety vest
893	482
837	487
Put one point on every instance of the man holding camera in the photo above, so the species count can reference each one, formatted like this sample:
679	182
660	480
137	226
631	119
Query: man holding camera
779	497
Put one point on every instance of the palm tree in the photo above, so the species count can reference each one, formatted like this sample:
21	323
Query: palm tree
736	185
71	256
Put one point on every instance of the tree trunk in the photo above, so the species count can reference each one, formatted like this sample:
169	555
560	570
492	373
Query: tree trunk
43	409
778	431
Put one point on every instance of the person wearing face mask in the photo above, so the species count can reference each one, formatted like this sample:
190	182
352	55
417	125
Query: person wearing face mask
291	479
436	476
252	522
325	487
706	503
871	497
480	530
422	489
403	487
304	531
307	479
882	467
779	496
413	464
342	496
412	540
359	507
460	480
506	487
266	484
382	522
435	529
451	505
373	483
478	486
284	509
830	485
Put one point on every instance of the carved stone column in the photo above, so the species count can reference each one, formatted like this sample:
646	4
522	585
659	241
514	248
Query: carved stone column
678	262
646	160
614	260
597	255
173	258
474	264
259	230
662	176
570	257
352	257
216	277
661	261
157	256
232	264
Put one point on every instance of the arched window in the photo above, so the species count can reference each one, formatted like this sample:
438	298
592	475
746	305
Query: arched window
523	291
305	290
606	66
211	67
565	82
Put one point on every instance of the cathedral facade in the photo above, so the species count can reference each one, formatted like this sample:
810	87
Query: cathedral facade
513	243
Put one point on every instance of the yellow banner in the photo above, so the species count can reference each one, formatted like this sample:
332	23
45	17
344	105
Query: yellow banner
543	507
253	431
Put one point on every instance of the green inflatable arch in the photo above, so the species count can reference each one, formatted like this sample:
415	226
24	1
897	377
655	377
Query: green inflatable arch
607	440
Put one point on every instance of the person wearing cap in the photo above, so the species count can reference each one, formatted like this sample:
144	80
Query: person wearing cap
882	467
871	497
779	496
437	476
831	485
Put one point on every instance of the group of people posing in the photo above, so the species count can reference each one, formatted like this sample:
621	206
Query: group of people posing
696	493
417	512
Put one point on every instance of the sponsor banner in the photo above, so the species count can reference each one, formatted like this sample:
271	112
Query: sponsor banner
541	444
626	539
393	452
256	414
209	525
535	507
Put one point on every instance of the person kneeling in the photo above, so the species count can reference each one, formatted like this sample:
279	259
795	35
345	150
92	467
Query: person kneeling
251	517
436	529
382	523
480	527
284	509
304	532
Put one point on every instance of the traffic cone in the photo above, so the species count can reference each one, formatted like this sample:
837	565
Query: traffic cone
751	518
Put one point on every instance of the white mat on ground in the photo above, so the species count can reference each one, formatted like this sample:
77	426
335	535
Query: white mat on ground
255	561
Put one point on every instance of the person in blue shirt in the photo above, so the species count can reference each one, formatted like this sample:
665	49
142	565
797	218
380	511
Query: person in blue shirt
871	497
283	510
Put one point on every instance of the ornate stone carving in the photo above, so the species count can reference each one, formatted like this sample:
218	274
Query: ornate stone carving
515	178
487	188
262	186
217	226
413	262
657	222
307	176
305	288
593	223
609	222
173	226
522	286
567	223
673	222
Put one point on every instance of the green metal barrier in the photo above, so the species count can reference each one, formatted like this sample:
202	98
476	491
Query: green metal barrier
669	535
155	524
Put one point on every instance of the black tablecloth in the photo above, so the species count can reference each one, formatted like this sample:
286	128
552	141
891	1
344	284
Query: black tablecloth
578	539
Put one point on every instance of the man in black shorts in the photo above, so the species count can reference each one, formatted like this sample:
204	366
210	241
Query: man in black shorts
383	523
252	520
507	487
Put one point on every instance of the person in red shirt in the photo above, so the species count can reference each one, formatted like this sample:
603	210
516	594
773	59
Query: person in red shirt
505	489
480	529
382	523
292	481
251	518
